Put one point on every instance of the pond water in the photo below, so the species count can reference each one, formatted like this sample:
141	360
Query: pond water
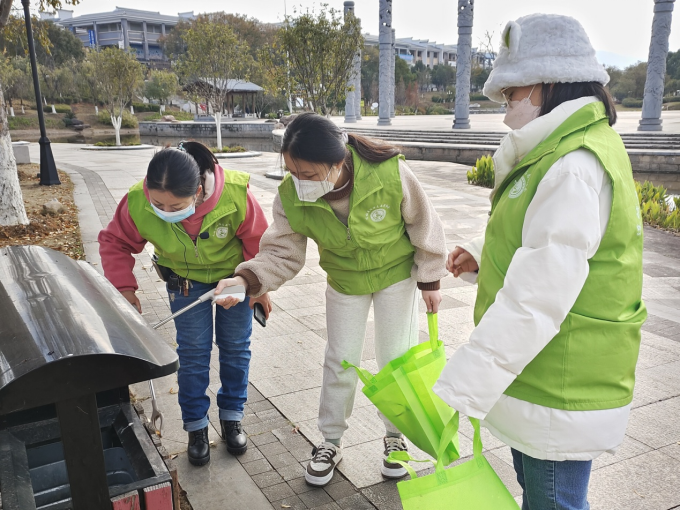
263	145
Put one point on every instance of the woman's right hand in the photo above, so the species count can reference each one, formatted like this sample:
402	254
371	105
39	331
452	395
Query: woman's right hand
461	261
231	301
132	298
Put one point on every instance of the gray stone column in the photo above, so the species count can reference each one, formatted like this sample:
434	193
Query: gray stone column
463	65
145	41
385	20
392	74
657	65
358	85
348	12
124	29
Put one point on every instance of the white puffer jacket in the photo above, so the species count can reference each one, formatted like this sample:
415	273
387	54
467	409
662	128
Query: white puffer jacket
562	230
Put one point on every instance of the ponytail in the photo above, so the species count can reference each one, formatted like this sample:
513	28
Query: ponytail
180	171
314	138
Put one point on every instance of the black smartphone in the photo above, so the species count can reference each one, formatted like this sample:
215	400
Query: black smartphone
259	314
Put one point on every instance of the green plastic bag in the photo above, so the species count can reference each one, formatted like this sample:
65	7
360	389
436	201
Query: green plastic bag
471	485
402	391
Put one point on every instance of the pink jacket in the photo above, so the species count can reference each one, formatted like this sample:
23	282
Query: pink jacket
120	239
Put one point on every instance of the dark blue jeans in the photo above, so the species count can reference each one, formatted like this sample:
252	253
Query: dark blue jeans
552	484
194	345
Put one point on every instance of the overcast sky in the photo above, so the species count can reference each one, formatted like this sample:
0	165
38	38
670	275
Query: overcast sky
618	29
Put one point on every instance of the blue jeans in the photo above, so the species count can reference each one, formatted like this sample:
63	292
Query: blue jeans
194	345
552	484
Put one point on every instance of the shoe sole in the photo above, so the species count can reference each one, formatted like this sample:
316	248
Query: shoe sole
199	462
317	481
393	473
236	452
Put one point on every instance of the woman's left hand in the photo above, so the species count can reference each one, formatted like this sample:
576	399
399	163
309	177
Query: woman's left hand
432	299
266	303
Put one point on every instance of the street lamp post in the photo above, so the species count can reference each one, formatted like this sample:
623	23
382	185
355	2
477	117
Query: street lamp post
48	169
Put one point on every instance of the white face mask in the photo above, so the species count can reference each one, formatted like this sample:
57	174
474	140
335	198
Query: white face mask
519	113
310	191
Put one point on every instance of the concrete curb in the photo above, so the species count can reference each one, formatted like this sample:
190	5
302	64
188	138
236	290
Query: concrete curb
117	148
246	154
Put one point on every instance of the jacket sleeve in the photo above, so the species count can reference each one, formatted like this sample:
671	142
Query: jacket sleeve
561	232
425	231
252	228
117	242
474	248
281	255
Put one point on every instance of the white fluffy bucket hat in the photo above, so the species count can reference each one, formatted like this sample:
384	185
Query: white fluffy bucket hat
543	48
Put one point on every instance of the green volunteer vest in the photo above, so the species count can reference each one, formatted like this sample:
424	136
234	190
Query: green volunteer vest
209	260
590	363
373	251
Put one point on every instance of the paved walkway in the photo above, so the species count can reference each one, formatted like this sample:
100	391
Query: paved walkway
627	122
287	364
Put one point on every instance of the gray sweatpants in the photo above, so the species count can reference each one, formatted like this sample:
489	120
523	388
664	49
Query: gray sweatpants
396	330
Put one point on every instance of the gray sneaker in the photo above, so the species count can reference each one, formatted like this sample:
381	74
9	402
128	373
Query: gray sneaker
320	469
393	470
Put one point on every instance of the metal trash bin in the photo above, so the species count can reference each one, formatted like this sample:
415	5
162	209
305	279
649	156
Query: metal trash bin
70	345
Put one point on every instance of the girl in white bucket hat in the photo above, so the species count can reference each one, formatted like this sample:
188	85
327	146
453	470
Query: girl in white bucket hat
550	364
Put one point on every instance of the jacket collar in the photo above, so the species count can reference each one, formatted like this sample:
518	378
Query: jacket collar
519	143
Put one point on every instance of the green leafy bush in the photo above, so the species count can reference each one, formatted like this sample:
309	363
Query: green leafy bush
145	107
229	149
632	103
60	108
68	118
483	172
112	143
180	116
656	208
437	110
671	99
673	106
129	120
479	97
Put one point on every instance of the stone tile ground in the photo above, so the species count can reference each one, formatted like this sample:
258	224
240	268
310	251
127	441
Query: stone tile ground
288	354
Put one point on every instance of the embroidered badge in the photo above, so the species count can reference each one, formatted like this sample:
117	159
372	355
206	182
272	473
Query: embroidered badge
221	231
377	213
519	187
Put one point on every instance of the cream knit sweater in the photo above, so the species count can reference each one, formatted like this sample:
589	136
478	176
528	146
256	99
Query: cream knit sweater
282	251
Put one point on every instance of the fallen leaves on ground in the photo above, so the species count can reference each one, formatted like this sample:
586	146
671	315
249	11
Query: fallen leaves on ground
60	232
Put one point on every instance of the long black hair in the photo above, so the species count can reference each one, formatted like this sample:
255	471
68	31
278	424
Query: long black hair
314	138
554	94
180	171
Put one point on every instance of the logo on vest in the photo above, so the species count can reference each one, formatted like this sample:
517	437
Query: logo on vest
519	187
377	213
221	231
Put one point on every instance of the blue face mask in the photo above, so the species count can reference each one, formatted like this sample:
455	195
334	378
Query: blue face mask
175	216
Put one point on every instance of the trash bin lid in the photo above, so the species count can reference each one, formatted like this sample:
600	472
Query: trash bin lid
65	332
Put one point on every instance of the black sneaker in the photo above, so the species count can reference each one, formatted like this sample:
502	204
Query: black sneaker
320	468
233	434
393	470
198	448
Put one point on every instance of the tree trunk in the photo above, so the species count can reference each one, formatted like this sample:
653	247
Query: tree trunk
218	127
12	211
117	121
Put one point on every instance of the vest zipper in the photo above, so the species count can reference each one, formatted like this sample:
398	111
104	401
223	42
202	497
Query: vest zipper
349	237
196	247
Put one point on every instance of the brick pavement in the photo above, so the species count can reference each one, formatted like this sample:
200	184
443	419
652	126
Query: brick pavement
288	355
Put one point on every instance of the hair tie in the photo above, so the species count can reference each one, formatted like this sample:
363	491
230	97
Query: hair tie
344	136
180	147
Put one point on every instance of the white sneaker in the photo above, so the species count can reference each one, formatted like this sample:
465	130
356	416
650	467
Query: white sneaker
320	469
392	444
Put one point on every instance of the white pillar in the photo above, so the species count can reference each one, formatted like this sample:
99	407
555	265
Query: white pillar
392	74
657	66
348	12
384	61
463	65
358	86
